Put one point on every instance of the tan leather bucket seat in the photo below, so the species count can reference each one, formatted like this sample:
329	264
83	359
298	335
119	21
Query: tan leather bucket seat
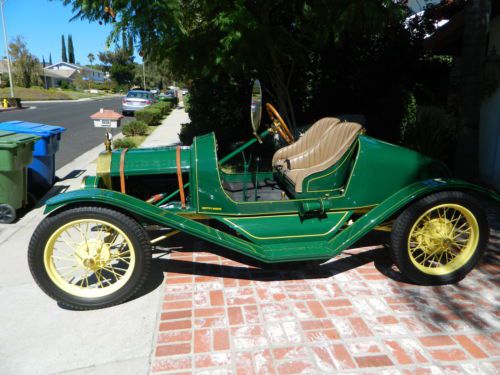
311	137
328	151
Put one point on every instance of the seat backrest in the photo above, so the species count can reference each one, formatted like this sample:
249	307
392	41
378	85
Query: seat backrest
311	137
330	148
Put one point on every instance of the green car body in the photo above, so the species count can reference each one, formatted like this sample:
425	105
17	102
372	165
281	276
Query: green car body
365	189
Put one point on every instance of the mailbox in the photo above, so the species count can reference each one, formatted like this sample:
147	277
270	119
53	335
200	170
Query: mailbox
106	118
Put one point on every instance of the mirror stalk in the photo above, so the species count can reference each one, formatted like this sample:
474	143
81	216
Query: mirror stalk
243	147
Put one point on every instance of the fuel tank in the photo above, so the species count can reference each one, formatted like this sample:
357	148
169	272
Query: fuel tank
143	162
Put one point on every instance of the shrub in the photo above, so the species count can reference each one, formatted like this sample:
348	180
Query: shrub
186	103
151	116
433	132
164	107
135	128
124	143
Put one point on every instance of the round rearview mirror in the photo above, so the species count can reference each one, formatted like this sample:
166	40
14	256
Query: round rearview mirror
256	106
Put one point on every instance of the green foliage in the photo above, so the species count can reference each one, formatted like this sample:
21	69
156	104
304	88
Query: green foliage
26	67
124	143
218	107
135	128
164	107
150	116
65	85
315	58
433	132
410	117
4	80
120	65
64	56
71	50
187	99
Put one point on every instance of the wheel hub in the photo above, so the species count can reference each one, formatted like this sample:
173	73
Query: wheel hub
94	254
436	235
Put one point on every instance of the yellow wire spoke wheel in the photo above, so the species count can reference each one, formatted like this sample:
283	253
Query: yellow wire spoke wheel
89	257
440	238
443	239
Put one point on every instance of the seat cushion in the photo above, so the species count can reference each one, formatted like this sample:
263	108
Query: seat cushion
325	154
311	137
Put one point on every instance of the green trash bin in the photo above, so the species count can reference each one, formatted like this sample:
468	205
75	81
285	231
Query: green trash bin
16	152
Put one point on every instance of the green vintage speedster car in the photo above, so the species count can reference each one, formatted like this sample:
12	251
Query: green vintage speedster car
324	191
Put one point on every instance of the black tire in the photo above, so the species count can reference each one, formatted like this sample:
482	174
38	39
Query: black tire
133	230
7	214
405	222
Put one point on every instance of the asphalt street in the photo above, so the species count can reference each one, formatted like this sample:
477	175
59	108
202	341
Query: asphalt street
80	135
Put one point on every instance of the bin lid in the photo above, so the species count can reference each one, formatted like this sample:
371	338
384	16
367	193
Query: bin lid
41	130
13	140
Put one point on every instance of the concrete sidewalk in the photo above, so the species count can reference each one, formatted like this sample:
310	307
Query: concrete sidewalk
39	337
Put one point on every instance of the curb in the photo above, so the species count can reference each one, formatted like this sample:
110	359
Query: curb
71	100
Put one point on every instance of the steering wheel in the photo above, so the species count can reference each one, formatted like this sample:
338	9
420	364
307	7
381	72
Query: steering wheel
279	125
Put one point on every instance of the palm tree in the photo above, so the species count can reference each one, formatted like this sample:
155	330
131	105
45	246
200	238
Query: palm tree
91	58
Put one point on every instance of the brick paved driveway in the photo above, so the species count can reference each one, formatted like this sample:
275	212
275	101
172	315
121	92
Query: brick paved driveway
353	315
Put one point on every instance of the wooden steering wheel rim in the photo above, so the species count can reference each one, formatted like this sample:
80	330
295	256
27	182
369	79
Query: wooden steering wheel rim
279	124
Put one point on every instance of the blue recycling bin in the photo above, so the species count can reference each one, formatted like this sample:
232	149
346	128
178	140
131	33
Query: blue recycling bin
41	172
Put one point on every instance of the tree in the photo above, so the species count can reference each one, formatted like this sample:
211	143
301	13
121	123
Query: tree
71	50
120	65
91	58
275	40
50	59
315	58
26	67
64	56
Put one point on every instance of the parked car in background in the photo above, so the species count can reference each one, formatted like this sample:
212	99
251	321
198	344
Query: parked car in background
169	96
136	100
184	91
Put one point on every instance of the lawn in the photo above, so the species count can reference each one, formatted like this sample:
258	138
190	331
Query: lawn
38	93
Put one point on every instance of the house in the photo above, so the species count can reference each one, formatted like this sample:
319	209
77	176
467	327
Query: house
63	71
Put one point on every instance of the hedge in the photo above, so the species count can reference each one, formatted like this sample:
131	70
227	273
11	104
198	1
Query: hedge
151	116
164	107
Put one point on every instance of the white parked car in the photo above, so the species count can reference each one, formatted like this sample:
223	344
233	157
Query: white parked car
136	100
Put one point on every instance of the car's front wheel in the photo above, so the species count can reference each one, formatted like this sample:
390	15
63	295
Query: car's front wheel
89	257
440	238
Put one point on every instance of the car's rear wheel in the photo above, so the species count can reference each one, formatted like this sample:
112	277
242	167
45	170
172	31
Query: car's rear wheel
89	257
440	238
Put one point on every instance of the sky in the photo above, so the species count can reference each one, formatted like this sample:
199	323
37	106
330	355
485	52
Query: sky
42	22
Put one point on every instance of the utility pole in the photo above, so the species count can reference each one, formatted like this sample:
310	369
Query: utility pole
143	75
7	50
